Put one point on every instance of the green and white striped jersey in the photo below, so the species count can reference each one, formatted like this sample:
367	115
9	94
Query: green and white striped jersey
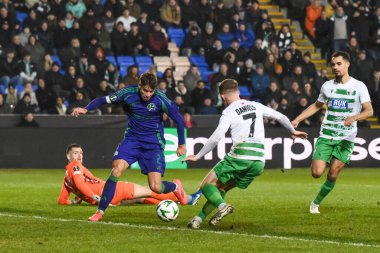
244	119
342	101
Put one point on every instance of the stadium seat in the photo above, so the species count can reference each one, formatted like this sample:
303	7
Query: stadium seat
19	88
144	61
123	72
21	16
244	91
206	75
56	59
176	35
111	59
199	60
144	68
125	60
2	88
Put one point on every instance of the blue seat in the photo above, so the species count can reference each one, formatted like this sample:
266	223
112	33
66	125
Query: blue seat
144	61
178	40
56	59
111	59
159	74
125	59
19	88
21	16
144	68
175	31
176	35
123	72
2	88
206	75
199	60
244	91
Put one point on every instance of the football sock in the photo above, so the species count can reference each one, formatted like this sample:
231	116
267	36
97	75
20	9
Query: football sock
108	193
212	194
325	189
167	187
208	207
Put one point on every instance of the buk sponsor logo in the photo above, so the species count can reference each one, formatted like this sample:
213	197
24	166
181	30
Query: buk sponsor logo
339	104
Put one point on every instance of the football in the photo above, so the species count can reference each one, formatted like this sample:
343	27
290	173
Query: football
167	210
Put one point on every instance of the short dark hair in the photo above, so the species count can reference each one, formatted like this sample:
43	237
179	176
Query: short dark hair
71	146
228	85
148	79
343	54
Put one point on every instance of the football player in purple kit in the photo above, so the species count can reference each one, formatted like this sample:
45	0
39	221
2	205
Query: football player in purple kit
144	138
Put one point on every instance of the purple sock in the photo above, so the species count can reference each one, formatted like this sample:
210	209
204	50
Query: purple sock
167	187
108	193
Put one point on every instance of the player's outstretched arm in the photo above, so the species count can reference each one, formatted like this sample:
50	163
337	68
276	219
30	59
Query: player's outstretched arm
94	104
308	112
181	150
299	134
192	158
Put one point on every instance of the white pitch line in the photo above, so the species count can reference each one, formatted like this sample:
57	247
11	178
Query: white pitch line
275	237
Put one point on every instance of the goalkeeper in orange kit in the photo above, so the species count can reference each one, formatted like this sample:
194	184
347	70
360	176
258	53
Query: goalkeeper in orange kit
86	187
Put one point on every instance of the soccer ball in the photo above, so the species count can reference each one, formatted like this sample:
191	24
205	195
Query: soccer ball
167	210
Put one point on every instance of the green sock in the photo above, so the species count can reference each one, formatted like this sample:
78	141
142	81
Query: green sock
325	189
209	207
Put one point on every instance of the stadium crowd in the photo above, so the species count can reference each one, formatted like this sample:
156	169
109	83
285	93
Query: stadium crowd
60	54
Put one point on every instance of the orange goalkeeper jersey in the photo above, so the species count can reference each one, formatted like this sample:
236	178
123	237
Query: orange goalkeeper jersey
80	181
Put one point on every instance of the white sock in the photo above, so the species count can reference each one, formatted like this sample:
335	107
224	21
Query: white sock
221	206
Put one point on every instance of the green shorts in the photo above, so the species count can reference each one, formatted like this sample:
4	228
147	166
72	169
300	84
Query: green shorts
326	149
241	172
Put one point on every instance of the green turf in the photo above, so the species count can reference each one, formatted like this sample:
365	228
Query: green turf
270	216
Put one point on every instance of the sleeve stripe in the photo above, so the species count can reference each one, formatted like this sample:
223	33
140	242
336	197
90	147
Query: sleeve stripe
108	99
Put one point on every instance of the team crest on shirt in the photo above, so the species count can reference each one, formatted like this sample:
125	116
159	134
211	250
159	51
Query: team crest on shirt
113	98
151	107
76	168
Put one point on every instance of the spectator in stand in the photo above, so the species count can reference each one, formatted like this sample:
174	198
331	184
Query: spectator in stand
137	41
28	88
230	60
321	79
163	87
11	95
269	64
157	41
267	34
273	49
91	78
308	67
24	35
374	48
234	23
37	53
296	10
259	83
180	90
216	54
69	20
296	53
353	49
361	25
5	108
104	89
246	72
145	24
207	108
17	47
188	120
220	14
100	61
257	53
278	75
285	37
77	7
104	36
225	36
61	36
120	40
28	121
169	78
28	71
323	34
24	105
373	85
198	95
112	75
91	47
45	97
126	19
285	108
299	108
363	67
193	42
253	14
133	7
208	38
59	107
216	79
273	93
70	55
313	12
45	37
309	93
191	78
187	12
80	101
340	29
204	10
132	77
109	21
239	52
294	93
115	6
170	13
9	69
287	63
296	76
32	21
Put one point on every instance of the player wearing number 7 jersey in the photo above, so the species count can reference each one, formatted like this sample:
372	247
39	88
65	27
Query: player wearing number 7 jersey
245	161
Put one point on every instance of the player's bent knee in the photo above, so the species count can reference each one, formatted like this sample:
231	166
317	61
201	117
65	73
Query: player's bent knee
155	187
316	174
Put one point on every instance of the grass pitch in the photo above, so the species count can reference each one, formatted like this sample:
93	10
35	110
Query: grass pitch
270	216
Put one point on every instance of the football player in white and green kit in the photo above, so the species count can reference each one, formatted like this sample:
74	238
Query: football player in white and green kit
347	101
246	160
